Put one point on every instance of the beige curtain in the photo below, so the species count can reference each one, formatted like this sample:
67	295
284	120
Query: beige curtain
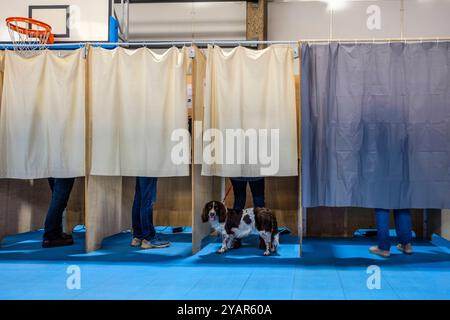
252	90
42	119
138	100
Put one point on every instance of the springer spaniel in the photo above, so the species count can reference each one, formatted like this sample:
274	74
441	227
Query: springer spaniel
233	224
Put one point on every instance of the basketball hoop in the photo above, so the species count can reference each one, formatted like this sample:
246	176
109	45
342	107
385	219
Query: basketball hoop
28	34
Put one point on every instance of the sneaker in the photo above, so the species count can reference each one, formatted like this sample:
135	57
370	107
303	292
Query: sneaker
136	242
62	241
379	252
406	249
154	243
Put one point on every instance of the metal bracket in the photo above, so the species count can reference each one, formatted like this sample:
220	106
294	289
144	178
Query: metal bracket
86	50
191	53
296	53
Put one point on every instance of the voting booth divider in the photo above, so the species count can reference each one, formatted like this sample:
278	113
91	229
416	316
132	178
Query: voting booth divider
103	203
24	202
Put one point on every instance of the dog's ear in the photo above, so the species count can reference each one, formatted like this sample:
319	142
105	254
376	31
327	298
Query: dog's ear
222	212
205	213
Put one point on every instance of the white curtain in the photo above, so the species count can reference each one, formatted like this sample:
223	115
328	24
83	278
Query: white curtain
138	100
42	119
252	90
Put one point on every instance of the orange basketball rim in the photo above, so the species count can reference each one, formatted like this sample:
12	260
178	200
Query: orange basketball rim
31	28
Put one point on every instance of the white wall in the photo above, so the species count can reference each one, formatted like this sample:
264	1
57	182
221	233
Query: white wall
89	18
288	19
314	19
186	21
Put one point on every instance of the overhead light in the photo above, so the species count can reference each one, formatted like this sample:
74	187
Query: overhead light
335	5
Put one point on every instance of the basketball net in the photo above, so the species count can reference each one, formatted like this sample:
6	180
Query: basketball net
28	35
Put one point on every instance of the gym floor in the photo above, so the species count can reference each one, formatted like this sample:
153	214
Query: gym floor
329	269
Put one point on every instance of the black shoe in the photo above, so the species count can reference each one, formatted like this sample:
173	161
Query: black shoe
61	241
66	236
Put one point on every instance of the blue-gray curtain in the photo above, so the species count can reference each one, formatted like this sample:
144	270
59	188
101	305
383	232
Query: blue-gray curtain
376	125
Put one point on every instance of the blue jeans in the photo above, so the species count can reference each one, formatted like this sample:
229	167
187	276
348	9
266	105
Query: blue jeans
61	188
403	227
142	213
240	192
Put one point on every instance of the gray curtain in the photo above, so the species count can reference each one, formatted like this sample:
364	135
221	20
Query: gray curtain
376	125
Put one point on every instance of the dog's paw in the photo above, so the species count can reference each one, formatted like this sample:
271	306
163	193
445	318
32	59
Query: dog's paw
221	250
267	253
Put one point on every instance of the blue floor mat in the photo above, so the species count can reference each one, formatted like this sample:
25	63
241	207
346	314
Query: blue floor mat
329	269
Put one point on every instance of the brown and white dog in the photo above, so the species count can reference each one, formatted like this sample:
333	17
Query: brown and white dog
233	224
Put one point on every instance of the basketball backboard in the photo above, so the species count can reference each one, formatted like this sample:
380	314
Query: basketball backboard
71	20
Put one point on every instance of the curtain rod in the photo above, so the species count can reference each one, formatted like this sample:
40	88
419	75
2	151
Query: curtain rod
168	43
366	40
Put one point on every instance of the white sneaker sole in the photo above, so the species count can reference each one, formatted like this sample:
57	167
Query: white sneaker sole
404	251
379	253
155	247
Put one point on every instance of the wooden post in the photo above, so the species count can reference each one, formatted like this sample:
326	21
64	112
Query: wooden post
204	188
445	223
301	227
257	21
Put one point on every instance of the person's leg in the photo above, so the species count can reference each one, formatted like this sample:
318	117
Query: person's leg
148	193
382	218
51	182
147	186
136	215
257	188
240	193
403	227
61	188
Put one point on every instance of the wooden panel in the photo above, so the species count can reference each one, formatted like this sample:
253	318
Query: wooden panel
433	222
173	202
204	189
257	20
24	205
75	207
325	222
282	195
445	224
343	222
103	210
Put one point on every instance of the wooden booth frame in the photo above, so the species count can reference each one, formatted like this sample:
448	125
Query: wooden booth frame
103	203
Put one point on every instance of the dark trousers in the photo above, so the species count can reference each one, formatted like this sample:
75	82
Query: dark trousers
142	213
61	188
240	193
403	227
